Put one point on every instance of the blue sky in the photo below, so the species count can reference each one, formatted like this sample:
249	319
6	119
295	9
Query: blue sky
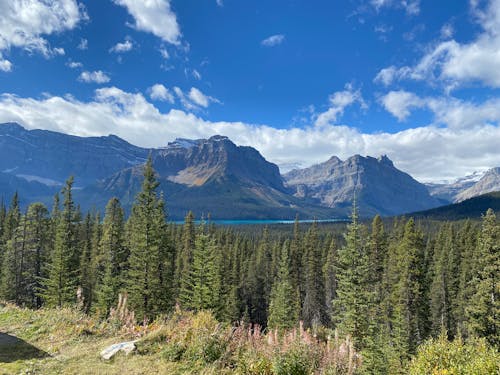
299	80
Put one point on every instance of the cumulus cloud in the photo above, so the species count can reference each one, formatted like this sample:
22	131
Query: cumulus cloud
338	101
156	17
429	152
122	47
455	64
161	93
273	40
74	64
5	65
400	103
194	99
97	76
24	23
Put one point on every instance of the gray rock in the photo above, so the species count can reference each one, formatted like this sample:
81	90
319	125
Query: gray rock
127	347
490	182
379	186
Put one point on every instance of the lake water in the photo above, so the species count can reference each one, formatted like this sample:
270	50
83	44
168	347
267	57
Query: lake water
266	221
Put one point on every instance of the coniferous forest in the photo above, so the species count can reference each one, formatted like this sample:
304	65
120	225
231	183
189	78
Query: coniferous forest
390	285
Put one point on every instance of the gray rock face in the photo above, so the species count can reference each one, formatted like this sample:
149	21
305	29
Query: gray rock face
378	185
50	158
490	182
212	176
448	192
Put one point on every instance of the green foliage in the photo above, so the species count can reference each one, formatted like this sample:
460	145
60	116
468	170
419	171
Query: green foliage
441	357
148	280
484	309
284	304
59	288
354	297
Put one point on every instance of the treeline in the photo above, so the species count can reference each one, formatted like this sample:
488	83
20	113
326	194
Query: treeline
389	287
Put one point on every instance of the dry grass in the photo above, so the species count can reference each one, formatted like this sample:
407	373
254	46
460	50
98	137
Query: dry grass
53	341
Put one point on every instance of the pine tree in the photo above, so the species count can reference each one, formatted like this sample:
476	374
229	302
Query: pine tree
352	306
284	305
330	277
484	308
184	259
26	253
114	257
408	322
59	288
204	284
313	308
9	224
149	275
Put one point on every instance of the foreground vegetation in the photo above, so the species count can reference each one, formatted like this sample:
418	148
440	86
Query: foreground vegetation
387	289
68	341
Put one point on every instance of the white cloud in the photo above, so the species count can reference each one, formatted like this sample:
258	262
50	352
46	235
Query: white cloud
447	31
196	74
24	23
338	101
194	99
455	64
5	65
164	53
220	3
412	7
199	98
273	40
427	152
160	93
94	77
124	46
74	64
400	103
154	16
59	51
83	45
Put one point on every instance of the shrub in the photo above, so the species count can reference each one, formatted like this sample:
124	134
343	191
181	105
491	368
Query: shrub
442	357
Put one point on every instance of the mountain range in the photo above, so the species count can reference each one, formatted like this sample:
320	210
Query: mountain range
213	176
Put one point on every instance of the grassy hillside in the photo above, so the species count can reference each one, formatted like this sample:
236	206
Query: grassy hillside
54	341
469	209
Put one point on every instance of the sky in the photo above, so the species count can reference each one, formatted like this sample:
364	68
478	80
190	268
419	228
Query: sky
299	80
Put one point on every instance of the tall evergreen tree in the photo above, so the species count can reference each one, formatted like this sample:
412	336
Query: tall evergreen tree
284	301
111	279
484	308
184	259
149	274
204	275
313	308
408	322
352	306
59	288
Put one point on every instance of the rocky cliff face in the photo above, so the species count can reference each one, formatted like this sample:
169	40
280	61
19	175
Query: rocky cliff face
379	186
490	182
50	158
211	176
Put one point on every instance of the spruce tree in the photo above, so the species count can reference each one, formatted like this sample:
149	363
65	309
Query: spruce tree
59	288
313	308
184	259
484	308
204	280
149	275
284	304
25	257
352	306
111	279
